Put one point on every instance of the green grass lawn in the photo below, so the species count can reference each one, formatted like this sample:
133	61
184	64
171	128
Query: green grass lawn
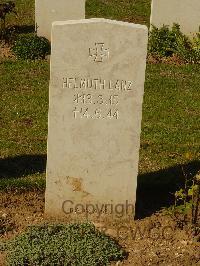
137	11
171	110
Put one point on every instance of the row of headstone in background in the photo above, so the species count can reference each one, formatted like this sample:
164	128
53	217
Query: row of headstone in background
163	12
95	111
95	108
186	13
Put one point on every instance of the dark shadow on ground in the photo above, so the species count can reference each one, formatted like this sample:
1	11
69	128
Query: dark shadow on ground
22	29
20	166
12	32
155	190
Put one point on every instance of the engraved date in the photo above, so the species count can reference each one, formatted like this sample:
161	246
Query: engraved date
95	114
82	98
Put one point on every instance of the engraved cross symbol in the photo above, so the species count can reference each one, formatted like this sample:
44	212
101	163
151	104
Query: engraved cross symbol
99	53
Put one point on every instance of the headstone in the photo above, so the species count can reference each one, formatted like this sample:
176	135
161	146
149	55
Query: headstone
48	11
184	12
95	111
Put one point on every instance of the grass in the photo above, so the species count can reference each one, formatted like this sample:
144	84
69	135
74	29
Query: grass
23	184
23	121
25	13
137	11
171	109
24	105
171	116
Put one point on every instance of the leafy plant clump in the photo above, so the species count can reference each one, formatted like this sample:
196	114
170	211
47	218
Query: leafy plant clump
165	42
31	47
187	205
72	244
6	224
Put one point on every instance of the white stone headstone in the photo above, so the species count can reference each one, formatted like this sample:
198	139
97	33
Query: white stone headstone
95	112
48	11
184	12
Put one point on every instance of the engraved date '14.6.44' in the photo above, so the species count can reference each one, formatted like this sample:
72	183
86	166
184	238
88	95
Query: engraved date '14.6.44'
95	114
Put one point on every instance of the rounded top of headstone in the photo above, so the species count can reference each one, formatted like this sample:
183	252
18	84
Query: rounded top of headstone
100	20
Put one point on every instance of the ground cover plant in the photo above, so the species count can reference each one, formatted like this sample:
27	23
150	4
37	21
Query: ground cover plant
30	46
73	244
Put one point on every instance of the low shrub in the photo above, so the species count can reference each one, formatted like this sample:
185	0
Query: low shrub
162	41
165	42
31	46
186	208
72	244
6	224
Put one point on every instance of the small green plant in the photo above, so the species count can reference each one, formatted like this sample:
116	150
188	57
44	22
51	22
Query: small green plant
165	42
187	203
72	244
162	41
188	50
6	224
30	46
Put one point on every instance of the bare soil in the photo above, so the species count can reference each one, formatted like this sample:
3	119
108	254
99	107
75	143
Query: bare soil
170	60
5	51
154	240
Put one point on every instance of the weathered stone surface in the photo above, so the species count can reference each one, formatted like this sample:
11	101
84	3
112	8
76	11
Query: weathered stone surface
48	11
184	12
96	93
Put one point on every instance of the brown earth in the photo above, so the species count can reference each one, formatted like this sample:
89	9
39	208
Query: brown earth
5	51
170	60
154	240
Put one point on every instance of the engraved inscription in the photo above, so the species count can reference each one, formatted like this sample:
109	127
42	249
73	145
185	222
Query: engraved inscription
86	106
90	100
97	84
95	114
99	53
82	98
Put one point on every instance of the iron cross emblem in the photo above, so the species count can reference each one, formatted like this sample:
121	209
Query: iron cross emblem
99	53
